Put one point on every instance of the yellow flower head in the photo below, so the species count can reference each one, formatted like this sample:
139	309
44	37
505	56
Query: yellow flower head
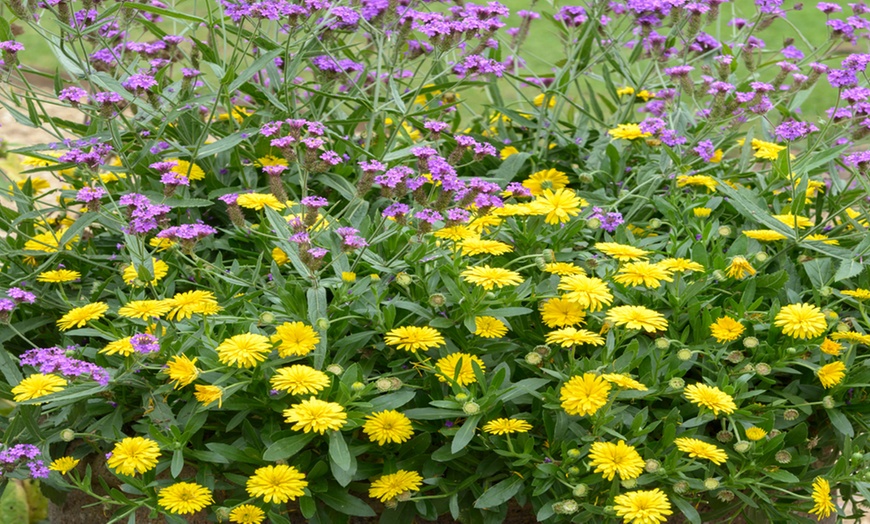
831	374
80	316
860	294
560	312
478	246
58	276
299	379
698	180
677	265
244	351
64	465
545	179
590	293
563	269
208	394
539	101
184	305
388	426
185	168
584	394
508	151
559	205
739	268
247	514
121	347
489	327
131	274
637	317
145	309
182	370
643	274
831	347
277	484
506	426
764	235
702	212
38	385
315	415
456	233
295	339
348	276
457	366
628	132
48	242
823	504
700	449
726	329
621	252
710	397
794	220
801	321
388	487
755	433
134	455
259	201
271	160
279	256
184	497
570	336
609	459
488	277
643	507
413	338
624	381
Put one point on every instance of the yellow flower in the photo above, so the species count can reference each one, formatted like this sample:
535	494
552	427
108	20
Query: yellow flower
133	455
277	484
38	385
184	497
697	180
710	397
145	309
483	224
279	256
488	277
506	426
561	312
801	321
508	151
680	264
590	292
559	205
539	101
764	235
182	370
717	156
388	487
187	304
80	316
569	336
726	329
860	294
489	327
299	379
131	276
643	507
315	415
388	426
563	269
766	150
161	244
63	465
271	160
458	367
643	274
455	233
621	252
413	338
830	347
58	276
295	339
478	246
185	168
627	132
739	268
239	113
259	201
348	276
244	351
755	433
700	449
702	212
37	184
626	90
610	459
121	347
209	394
247	514
794	220
584	395
831	374
852	336
637	317
48	242
624	381
545	179
824	505
818	237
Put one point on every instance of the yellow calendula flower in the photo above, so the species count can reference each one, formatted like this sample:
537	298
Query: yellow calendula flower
63	465
277	484
764	235
458	367
823	503
348	276
801	321
698	180
185	168
315	415
489	327
860	294
621	252
488	277
678	265
508	151
824	239
455	233
627	132
208	394
560	312
625	90
145	309
182	498
590	293
755	433
545	179
182	370
506	426
58	276
258	201
247	514
702	212
48	242
245	350
700	449
388	426
766	150
295	339
131	274
483	224
413	338
569	336
726	329
134	455
624	381
637	317
643	274
299	379
584	394
539	101
739	268
852	336
609	459
831	347
279	256
161	244
710	397
831	374
38	385
478	246
388	487
185	305
794	220
271	160
80	316
563	269
121	347
559	205
37	184
643	507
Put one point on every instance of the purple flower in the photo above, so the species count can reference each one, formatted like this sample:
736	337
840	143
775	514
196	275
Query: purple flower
828	8
314	202
518	190
842	78
793	53
478	65
429	216
571	16
6	305
396	210
74	95
144	343
793	130
19	295
229	199
372	166
90	194
706	150
139	83
317	252
274	170
436	126
187	232
57	360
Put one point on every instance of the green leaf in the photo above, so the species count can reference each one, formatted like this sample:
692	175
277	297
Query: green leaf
500	493
465	434
258	65
189	202
688	510
840	422
225	144
782	475
848	269
177	463
509	168
338	450
287	447
819	271
346	503
73	231
432	413
168	13
508	312
392	400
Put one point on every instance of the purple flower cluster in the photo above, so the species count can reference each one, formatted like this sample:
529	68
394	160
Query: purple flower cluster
478	65
609	221
144	216
572	16
23	454
350	239
144	343
187	232
705	150
333	68
87	153
793	130
58	360
90	194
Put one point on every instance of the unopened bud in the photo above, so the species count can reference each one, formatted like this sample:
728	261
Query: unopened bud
585	178
629	483
534	359
684	354
735	357
221	514
652	466
663	343
711	483
471	408
761	256
725	495
573	471
384	384
782	456
357	386
67	435
655	223
573	453
403	279
724	231
680	487
762	369
790	414
566	507
404	496
391	503
437	300
826	291
322	324
676	383
724	436
266	317
461	397
335	369
828	402
750	342
719	275
580	490
593	223
542	350
773	433
742	446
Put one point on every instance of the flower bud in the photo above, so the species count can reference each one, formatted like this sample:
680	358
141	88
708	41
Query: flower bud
549	255
404	496
580	490
652	466
826	291
663	343
724	436
221	514
534	359
384	384
629	483
742	446
762	369
573	453
573	471
791	350
461	397
395	384
773	433
566	507
67	435
375	277
322	324
761	256
335	369
437	300
735	357
266	317
676	383
831	315
542	350
842	327
828	402
857	456
790	414
357	386
748	368
724	231
585	178
593	223
403	279
684	354
711	483
782	456
719	275
750	342
655	223
471	408
680	487
726	495
391	503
